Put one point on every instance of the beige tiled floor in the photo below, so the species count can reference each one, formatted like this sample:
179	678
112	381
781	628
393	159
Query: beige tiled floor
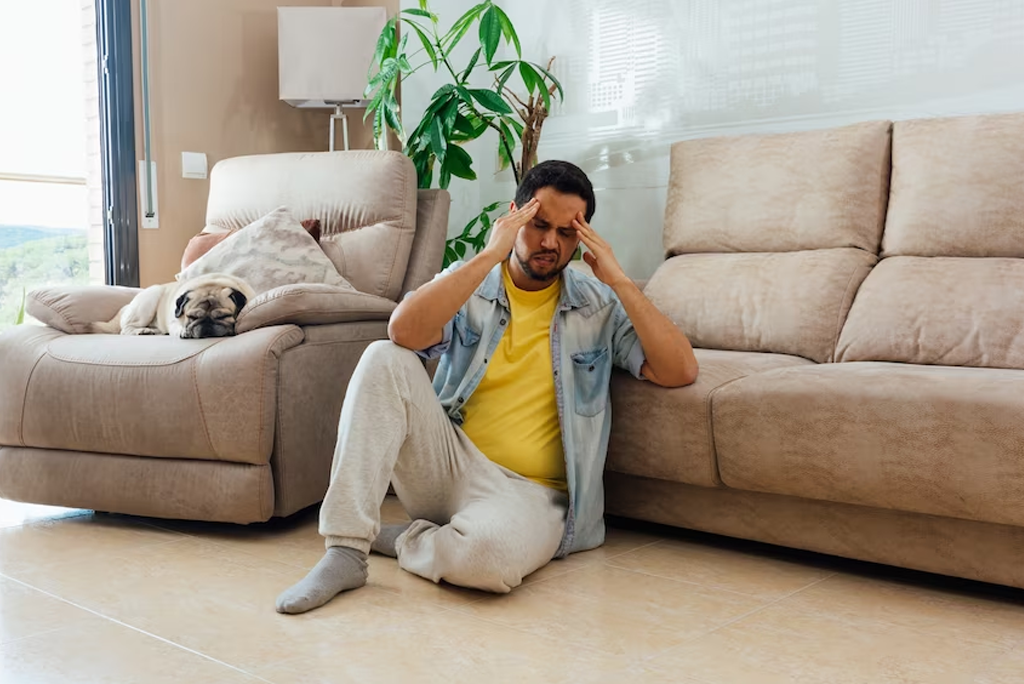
99	598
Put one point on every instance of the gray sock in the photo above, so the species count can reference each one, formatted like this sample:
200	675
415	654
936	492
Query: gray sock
341	569
384	544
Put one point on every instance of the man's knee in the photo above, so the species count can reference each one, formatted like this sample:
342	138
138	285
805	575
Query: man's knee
387	354
489	560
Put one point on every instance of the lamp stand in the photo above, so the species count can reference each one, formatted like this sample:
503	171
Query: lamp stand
339	113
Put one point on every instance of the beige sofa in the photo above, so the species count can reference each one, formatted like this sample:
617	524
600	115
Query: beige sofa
233	429
857	296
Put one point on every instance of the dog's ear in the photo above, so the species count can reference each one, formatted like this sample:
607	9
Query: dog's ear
239	299
179	306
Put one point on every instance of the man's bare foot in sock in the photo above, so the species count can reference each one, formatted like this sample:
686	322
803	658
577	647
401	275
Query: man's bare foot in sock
339	570
384	544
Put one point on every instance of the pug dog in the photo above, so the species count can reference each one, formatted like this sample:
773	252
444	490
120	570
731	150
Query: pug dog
205	306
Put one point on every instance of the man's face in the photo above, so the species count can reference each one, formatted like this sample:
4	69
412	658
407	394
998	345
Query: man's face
546	244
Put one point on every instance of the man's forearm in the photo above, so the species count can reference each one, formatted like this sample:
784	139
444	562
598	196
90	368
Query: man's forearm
670	359
419	320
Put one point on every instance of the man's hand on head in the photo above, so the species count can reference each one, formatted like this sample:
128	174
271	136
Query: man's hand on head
600	258
503	235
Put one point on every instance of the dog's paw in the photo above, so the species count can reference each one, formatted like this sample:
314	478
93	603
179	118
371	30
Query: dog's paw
142	331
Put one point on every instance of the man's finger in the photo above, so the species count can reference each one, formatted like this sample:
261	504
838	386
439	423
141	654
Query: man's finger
584	230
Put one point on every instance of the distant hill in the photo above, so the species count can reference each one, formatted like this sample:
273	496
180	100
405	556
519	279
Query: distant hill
12	236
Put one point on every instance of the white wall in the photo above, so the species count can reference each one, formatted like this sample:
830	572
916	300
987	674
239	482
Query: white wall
641	74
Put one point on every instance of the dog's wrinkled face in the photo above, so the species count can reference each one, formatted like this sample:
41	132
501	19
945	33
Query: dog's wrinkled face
208	311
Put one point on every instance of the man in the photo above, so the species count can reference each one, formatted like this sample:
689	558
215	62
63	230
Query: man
499	463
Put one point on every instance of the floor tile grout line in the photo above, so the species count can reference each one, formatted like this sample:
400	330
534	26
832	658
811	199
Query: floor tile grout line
136	629
45	632
738	618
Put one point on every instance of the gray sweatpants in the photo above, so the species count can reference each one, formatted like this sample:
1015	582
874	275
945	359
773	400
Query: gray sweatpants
475	523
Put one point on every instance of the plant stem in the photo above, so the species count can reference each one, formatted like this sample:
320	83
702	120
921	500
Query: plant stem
504	143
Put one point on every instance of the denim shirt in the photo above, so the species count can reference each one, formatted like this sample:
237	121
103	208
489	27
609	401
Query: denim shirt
589	333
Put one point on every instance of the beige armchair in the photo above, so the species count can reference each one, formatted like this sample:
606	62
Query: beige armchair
235	429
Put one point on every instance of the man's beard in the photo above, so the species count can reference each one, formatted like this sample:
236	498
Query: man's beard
534	275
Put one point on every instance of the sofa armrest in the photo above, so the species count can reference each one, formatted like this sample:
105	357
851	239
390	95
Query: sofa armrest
312	304
71	308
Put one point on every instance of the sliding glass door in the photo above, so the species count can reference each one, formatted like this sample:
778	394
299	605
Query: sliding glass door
56	208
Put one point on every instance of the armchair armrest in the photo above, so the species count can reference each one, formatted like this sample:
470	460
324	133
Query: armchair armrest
312	304
70	308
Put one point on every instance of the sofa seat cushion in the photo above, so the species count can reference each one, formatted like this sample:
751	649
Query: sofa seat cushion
927	439
212	399
665	433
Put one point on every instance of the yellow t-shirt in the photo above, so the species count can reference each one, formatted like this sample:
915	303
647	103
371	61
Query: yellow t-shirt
512	417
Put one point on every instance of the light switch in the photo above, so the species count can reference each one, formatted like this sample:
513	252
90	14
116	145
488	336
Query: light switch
193	165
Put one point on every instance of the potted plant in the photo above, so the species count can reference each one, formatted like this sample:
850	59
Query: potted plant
458	112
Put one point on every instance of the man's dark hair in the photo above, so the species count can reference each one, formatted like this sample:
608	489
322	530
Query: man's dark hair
564	177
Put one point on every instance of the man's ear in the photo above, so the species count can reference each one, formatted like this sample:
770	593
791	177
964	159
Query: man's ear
511	206
179	305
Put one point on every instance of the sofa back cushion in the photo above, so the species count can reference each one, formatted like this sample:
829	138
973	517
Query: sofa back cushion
786	303
957	188
779	193
943	311
365	201
949	290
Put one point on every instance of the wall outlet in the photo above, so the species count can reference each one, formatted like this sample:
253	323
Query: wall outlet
193	165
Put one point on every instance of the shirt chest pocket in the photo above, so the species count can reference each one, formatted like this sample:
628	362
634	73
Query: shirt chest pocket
468	337
591	374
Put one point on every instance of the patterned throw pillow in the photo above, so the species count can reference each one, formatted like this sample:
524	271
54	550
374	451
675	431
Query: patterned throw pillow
272	251
203	242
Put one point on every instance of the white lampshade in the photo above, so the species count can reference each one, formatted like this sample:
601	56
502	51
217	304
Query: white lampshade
324	53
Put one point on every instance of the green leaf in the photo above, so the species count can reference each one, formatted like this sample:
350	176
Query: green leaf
460	249
391	115
529	77
386	40
428	47
437	144
463	125
505	75
469	227
450	256
506	146
421	13
551	77
423	4
446	176
493	206
21	311
469	69
503	64
538	81
403	64
490	32
465	95
460	163
448	116
424	170
461	26
490	100
508	30
441	93
519	128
